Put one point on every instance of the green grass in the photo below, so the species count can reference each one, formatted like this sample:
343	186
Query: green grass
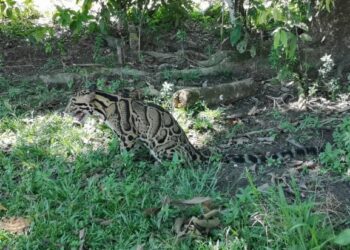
66	179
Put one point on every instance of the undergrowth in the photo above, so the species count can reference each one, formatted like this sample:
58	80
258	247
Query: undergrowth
336	157
67	179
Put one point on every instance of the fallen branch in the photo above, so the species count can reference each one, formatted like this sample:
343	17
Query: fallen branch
222	93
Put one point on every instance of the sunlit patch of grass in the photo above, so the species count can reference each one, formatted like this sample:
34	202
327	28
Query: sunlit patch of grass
52	135
100	191
211	114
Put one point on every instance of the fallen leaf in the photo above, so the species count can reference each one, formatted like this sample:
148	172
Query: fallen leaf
81	239
178	225
15	225
266	139
2	208
264	187
151	211
193	201
207	224
211	214
253	111
241	140
140	247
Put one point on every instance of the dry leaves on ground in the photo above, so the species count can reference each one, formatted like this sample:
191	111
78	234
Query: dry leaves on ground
2	208
15	225
197	226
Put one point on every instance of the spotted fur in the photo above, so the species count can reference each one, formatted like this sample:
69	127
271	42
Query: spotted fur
136	121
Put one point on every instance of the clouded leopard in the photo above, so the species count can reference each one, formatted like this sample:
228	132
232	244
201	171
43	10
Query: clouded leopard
136	121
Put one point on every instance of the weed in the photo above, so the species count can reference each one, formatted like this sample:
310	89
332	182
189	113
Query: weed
310	121
181	37
273	162
326	81
273	222
288	127
336	157
235	130
167	75
202	125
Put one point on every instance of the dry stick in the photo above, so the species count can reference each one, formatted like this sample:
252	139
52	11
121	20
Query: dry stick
19	66
87	64
257	132
294	143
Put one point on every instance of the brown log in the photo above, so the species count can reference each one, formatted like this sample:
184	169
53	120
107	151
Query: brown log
218	94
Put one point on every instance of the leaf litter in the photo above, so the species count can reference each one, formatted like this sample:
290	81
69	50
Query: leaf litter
195	226
15	225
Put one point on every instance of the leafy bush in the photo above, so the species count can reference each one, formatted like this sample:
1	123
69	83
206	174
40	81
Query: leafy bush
287	22
18	22
336	157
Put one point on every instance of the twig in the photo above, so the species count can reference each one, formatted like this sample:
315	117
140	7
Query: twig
257	132
294	143
19	66
86	64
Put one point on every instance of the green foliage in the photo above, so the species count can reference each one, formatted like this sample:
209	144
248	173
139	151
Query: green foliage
202	124
158	15
281	19
278	222
19	98
288	23
11	11
203	117
343	239
19	23
75	20
211	18
326	4
336	157
326	83
171	13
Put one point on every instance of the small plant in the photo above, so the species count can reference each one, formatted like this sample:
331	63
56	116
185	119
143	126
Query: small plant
336	157
181	37
326	78
235	130
98	48
166	93
196	108
202	124
167	75
273	162
310	122
288	127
